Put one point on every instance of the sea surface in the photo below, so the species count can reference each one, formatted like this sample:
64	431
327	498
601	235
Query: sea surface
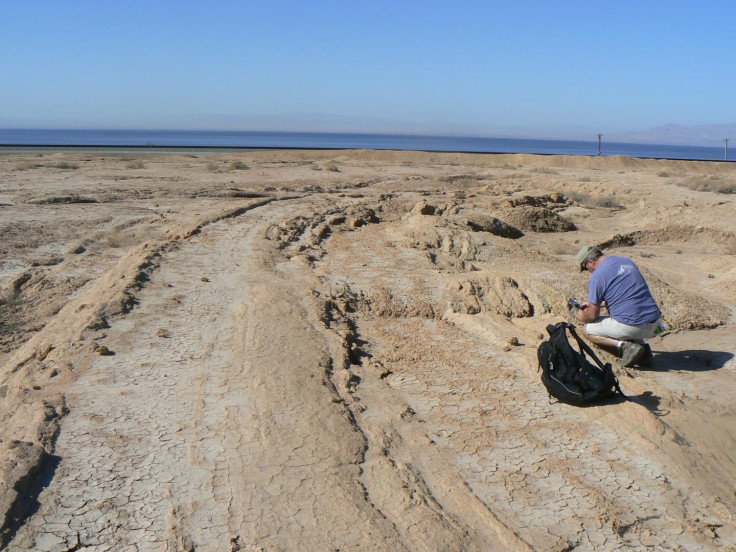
172	139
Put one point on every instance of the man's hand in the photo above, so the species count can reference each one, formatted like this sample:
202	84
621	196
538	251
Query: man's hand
589	312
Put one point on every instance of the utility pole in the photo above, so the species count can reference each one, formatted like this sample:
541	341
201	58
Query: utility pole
599	144
725	149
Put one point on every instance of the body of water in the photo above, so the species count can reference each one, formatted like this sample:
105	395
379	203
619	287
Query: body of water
330	140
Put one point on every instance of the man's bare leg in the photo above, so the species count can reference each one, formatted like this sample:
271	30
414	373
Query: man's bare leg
607	343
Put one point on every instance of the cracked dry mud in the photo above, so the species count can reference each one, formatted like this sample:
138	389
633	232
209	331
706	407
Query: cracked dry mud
303	358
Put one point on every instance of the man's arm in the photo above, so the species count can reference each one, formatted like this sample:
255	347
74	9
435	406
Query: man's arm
588	312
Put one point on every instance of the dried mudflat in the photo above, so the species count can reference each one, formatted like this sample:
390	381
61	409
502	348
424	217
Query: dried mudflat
337	350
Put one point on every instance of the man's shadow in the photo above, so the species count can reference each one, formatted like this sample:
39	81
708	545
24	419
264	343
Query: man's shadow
694	360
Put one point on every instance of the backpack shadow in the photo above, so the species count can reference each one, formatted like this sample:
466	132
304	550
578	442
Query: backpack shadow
606	401
647	399
694	360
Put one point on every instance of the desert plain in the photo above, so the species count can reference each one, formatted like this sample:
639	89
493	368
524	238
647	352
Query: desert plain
336	350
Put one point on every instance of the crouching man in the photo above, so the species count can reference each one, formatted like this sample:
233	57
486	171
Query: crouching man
617	284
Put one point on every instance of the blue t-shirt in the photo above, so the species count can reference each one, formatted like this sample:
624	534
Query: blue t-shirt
618	282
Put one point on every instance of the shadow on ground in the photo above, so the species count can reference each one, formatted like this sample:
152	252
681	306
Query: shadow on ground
648	400
689	361
27	502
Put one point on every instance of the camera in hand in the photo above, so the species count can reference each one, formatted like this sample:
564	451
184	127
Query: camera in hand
573	304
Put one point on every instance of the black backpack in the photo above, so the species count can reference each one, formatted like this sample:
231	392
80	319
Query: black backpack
567	374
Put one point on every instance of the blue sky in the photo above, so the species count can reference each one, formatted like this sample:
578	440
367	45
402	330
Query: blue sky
475	67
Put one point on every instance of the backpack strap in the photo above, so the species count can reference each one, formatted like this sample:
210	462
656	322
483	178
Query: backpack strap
618	389
585	347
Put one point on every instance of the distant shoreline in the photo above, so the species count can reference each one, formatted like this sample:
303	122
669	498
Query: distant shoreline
8	149
231	141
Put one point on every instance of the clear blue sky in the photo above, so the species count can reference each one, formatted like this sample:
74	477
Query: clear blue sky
607	65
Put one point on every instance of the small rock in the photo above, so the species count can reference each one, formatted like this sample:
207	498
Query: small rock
76	250
42	354
162	333
102	350
423	208
204	279
513	341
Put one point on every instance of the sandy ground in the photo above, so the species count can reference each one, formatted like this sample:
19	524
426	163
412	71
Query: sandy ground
337	351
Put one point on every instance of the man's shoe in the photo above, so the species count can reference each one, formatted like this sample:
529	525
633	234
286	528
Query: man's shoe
631	353
647	358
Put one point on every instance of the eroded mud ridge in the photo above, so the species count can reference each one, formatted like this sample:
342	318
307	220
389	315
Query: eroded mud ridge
297	350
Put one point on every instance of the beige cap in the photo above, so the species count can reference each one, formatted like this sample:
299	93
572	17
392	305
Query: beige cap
583	255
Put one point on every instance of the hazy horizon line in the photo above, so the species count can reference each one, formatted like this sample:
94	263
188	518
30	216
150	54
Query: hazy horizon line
644	137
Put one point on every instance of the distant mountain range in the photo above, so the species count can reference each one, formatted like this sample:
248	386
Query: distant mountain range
670	134
686	135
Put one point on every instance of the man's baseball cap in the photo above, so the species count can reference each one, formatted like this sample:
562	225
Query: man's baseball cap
583	255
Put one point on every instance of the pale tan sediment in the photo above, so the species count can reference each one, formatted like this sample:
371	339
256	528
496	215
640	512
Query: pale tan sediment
348	359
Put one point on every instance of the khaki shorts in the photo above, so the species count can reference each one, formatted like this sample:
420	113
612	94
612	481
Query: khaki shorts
606	326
